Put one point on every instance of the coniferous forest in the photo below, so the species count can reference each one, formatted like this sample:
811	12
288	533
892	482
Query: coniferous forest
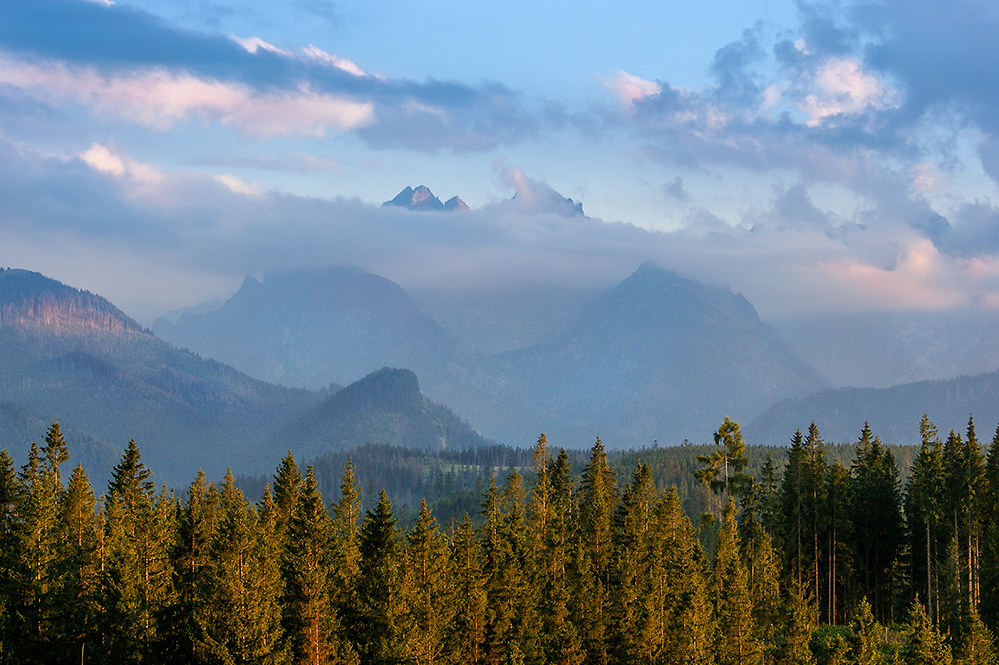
807	559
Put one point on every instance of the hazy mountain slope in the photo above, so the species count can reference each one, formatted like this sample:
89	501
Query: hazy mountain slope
893	413
658	357
883	349
19	427
71	355
385	407
311	328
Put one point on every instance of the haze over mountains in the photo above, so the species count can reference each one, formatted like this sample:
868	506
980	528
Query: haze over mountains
655	358
72	355
658	358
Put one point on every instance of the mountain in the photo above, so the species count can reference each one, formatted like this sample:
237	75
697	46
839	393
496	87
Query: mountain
893	413
883	349
384	407
422	199
456	204
310	328
72	355
659	357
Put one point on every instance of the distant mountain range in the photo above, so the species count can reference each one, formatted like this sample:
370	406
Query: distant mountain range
71	355
657	358
893	413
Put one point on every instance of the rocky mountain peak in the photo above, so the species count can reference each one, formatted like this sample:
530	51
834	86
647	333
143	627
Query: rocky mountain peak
422	199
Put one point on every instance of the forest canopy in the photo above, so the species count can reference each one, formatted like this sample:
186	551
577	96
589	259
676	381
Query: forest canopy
723	554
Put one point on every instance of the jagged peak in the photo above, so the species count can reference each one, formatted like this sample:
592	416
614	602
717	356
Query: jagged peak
422	199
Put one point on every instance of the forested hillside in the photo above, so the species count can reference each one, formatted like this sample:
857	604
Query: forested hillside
567	559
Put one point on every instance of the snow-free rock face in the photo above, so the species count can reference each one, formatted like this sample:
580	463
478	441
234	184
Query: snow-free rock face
421	199
455	203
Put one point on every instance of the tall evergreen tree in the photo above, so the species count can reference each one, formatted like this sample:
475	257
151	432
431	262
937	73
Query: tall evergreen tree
598	496
35	577
78	592
724	470
876	516
989	606
138	575
309	616
429	582
924	510
469	627
737	642
380	592
245	587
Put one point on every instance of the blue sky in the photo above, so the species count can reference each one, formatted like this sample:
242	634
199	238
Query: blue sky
818	157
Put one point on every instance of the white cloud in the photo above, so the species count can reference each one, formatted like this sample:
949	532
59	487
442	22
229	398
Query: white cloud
105	160
159	99
628	88
841	86
315	53
238	186
251	44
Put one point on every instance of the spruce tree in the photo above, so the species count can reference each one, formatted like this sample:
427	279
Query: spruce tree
737	642
924	510
78	593
35	576
245	624
468	635
925	645
598	496
381	638
138	575
431	592
309	615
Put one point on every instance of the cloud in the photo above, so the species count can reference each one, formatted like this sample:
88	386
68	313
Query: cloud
158	99
533	196
187	227
628	88
842	87
118	62
105	160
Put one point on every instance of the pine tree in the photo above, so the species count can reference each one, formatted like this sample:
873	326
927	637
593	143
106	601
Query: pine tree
429	584
924	509
79	537
380	593
737	642
309	616
248	627
925	645
724	470
598	496
138	575
468	635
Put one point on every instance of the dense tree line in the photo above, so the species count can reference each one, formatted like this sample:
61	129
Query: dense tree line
808	561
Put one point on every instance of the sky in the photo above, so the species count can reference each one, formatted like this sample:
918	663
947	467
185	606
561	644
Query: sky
818	157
